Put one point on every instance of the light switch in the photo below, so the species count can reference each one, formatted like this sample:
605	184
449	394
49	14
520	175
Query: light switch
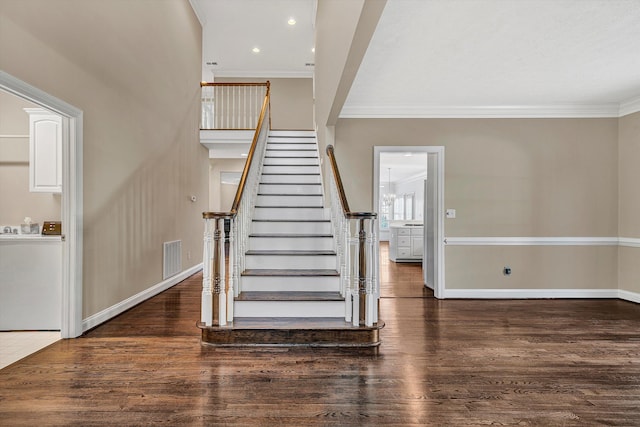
451	213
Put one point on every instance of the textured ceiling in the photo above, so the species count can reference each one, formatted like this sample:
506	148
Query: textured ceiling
232	28
459	57
450	58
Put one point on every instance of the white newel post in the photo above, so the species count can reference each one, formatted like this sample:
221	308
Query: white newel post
221	279
206	313
368	321
233	278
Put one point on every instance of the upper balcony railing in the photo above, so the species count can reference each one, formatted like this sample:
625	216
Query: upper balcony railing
234	106
219	286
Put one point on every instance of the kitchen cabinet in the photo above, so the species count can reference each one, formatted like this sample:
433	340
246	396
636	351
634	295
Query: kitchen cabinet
45	151
406	243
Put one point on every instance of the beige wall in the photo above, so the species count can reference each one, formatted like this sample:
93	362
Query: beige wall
504	177
532	267
291	101
17	201
629	202
508	178
221	195
133	67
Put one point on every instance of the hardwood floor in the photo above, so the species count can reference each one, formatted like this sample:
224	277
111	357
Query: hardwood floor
452	362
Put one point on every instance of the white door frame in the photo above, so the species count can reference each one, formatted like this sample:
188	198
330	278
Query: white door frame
439	285
72	117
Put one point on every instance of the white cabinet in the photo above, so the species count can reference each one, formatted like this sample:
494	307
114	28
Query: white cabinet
45	151
405	243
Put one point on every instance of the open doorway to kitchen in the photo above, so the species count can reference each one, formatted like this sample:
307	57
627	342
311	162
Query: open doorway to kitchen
70	197
408	194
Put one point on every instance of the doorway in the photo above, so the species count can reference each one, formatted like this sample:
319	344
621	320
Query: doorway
71	310
420	202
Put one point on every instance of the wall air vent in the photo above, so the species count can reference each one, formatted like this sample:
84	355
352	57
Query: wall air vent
171	259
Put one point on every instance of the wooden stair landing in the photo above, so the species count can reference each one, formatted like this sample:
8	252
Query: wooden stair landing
291	332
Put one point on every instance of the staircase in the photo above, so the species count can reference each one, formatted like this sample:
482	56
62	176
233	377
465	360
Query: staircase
290	287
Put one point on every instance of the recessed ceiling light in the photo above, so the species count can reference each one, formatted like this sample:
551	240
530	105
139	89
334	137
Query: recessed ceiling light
243	154
313	49
291	21
408	154
256	50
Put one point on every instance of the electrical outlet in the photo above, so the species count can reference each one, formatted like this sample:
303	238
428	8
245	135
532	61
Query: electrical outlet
188	254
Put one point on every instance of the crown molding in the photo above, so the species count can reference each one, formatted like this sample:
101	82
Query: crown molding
202	17
629	107
508	111
263	74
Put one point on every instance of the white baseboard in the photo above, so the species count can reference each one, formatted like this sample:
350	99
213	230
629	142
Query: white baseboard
529	293
122	306
629	296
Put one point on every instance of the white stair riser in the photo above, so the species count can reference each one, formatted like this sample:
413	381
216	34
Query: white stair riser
295	262
289	308
289	133
279	169
278	200
291	227
288	161
292	153
288	213
291	284
304	145
298	243
281	178
289	189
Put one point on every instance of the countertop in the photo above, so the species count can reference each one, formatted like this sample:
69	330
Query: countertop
29	238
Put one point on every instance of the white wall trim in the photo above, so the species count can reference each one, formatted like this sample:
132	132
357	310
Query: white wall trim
629	242
629	107
532	241
481	111
629	296
264	74
72	200
122	306
529	293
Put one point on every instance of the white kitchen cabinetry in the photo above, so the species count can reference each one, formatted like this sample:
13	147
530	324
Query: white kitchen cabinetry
405	243
45	151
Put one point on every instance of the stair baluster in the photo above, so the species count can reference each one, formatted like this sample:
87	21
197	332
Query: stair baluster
359	264
218	294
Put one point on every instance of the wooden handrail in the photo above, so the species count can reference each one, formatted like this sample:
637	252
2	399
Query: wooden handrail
203	84
245	172
341	193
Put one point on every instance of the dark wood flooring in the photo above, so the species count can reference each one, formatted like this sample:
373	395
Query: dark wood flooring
452	362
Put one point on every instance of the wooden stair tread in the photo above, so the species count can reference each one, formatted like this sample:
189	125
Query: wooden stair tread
290	173
295	236
289	194
291	149
292	332
290	220
290	272
291	207
290	252
298	165
289	296
297	323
